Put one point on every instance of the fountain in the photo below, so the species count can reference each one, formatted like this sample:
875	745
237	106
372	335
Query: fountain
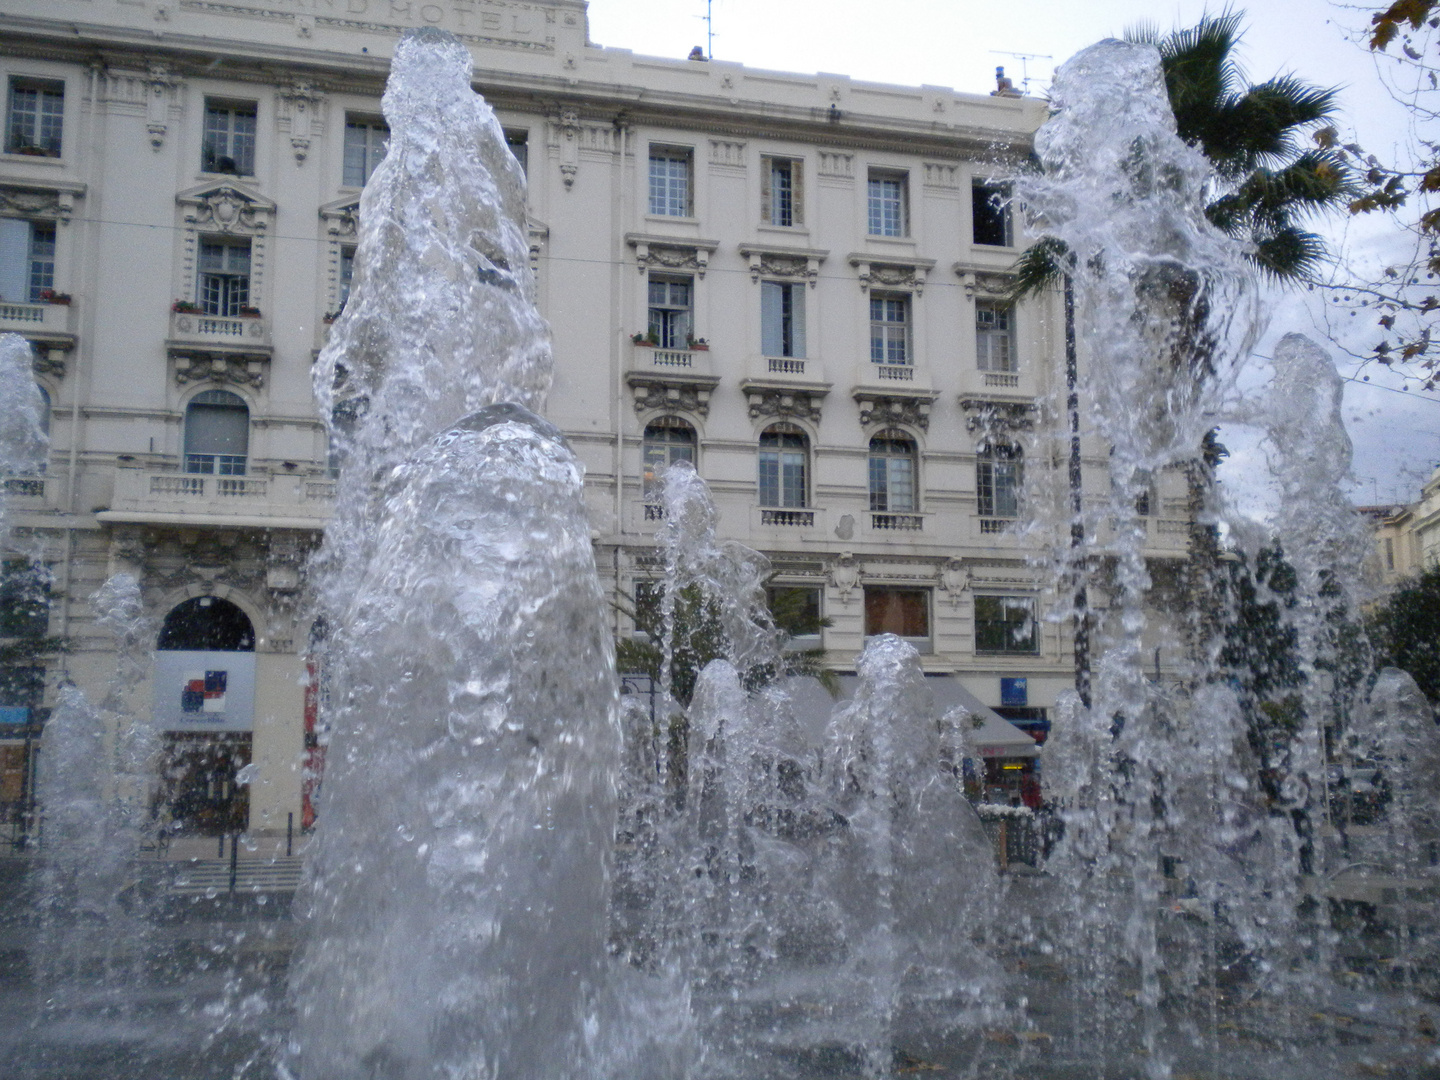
798	889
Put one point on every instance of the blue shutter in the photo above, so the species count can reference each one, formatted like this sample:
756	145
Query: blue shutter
771	316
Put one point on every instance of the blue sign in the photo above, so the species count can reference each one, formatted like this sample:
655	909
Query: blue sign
1013	693
14	714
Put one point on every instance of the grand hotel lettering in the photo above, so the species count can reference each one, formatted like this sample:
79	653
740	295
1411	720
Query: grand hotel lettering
512	23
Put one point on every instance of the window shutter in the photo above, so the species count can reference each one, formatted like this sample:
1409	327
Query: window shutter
767	188
797	320
770	318
14	260
797	196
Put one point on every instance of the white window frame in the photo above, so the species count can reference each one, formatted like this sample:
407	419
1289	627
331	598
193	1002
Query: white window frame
782	191
890	338
1009	602
671	322
27	260
788	485
222	287
367	138
999	481
893	489
995	336
887	203
923	643
782	319
672	181
37	131
229	140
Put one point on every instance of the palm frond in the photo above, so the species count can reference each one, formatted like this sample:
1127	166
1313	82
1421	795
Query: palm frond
1289	254
1039	266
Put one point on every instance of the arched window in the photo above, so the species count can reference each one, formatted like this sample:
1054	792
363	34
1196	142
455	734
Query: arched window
667	440
999	475
784	466
217	434
207	624
892	473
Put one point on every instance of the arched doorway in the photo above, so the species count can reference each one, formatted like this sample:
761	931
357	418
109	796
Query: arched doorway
204	701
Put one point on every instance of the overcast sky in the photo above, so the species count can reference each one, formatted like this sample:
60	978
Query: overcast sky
958	43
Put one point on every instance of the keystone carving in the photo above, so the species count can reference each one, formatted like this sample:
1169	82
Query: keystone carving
783	403
37	202
894	409
685	398
990	418
219	369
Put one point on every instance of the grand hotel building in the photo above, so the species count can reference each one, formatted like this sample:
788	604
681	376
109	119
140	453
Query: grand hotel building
794	281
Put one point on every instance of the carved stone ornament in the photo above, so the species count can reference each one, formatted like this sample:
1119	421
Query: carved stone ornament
342	219
300	106
654	394
954	580
795	265
845	575
159	89
985	284
881	408
56	201
664	253
909	274
993	418
569	128
783	403
227	208
48	357
240	371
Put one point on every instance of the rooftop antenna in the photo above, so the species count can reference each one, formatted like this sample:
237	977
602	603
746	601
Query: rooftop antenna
1024	58
710	29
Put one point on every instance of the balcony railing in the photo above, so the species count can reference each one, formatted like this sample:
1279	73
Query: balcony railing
996	525
785	365
897	522
654	511
289	501
194	328
25	487
894	372
802	519
1002	379
35	318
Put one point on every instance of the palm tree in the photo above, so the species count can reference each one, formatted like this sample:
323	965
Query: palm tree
1266	180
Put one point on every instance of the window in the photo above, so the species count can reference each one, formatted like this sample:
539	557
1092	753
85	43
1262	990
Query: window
990	214
224	286
347	274
998	477
519	144
784	455
27	260
892	473
217	434
1145	501
1006	624
229	145
1389	553
888	213
903	612
992	336
671	312
670	181
782	193
782	319
24	599
365	143
667	440
889	329
796	611
37	114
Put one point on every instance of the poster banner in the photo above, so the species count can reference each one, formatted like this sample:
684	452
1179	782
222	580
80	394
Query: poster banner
204	691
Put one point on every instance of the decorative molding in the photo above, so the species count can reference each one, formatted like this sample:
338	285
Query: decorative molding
801	264
40	199
570	136
197	365
988	418
300	109
953	579
890	407
942	174
342	227
891	272
667	253
836	165
984	283
226	207
684	393
727	153
802	405
48	357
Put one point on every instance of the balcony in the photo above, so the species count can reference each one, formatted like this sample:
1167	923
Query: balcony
786	521
671	379
892	373
48	327
30	493
281	502
1002	380
784	386
897	522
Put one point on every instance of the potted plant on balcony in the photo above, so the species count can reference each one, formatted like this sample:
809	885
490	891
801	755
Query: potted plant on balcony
247	312
697	344
648	338
186	307
50	296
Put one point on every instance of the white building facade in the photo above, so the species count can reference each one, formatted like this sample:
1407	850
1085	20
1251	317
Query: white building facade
796	282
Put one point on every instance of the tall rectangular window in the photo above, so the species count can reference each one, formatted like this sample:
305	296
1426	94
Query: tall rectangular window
990	214
365	143
998	478
36	117
888	212
27	260
347	274
993	350
671	312
670	181
782	319
889	329
784	455
229	145
1006	624
224	285
782	199
796	611
518	143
